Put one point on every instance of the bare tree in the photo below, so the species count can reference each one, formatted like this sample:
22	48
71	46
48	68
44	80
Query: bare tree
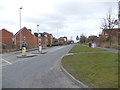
83	38
109	22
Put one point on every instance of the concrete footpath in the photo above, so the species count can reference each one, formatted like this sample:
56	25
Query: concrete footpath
108	49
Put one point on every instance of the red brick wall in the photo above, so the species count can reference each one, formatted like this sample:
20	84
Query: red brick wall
49	37
29	38
43	40
6	37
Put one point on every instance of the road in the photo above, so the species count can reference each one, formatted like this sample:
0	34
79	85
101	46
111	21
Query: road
42	71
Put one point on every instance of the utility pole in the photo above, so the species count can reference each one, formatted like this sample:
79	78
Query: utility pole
20	30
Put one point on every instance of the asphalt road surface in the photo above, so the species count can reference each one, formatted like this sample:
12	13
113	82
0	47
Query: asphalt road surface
42	71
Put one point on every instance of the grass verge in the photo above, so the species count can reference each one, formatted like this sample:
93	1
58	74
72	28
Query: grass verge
81	48
97	70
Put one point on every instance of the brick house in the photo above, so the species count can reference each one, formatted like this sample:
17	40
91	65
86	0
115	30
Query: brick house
55	40
112	32
27	37
42	39
45	38
49	37
6	37
92	38
109	37
63	40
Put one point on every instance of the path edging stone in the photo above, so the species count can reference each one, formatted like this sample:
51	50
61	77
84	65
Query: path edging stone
77	82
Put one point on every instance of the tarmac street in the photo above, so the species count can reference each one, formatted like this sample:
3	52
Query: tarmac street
42	71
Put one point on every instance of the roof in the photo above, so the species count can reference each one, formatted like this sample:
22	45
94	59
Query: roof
23	29
47	33
6	31
36	34
109	30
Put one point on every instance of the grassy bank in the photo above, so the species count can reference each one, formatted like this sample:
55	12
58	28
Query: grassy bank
80	48
97	70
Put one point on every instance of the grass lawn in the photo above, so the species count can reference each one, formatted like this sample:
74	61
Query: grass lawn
81	48
97	70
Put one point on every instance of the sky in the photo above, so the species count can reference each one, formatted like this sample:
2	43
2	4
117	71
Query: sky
58	17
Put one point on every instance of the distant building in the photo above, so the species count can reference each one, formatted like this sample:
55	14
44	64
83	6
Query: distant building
92	38
42	38
70	42
55	40
27	37
6	37
63	40
49	37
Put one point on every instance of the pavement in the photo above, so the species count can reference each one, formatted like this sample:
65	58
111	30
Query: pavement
41	71
108	49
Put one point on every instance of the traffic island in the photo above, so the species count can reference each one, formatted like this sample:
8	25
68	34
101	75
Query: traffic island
40	53
26	56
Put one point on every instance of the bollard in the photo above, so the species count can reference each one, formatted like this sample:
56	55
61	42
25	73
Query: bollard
40	49
94	45
23	51
90	45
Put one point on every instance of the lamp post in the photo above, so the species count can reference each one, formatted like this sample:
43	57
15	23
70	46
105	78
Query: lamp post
39	46
20	30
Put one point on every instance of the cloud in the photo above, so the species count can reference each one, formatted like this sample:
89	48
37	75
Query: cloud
69	17
48	21
73	17
1	7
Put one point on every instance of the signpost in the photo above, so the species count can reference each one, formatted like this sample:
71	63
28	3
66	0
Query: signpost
78	39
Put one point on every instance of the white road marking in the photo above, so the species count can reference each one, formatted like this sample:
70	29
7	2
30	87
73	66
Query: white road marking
6	61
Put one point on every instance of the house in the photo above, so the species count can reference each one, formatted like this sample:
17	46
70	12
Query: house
109	37
26	37
92	38
110	32
45	38
49	37
42	39
70	42
6	37
63	40
55	40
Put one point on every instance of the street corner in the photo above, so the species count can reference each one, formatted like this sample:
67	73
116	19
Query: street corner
26	56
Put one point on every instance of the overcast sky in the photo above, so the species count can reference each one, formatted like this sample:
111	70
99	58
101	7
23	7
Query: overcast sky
70	17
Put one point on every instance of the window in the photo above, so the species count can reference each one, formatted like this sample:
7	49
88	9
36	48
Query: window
45	35
24	37
46	40
39	39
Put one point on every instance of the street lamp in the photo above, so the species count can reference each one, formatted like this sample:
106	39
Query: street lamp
39	46
20	30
